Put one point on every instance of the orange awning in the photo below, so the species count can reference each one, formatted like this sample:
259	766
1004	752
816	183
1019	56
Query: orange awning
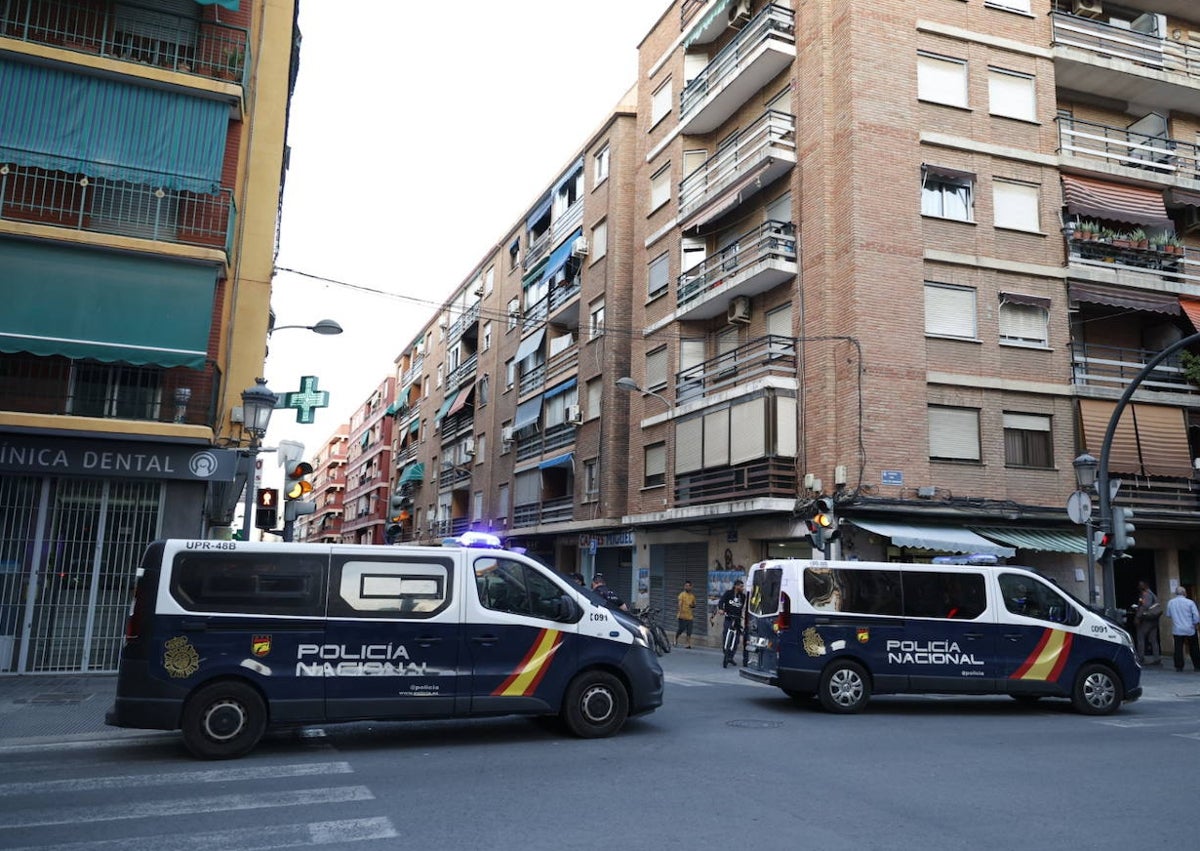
1192	308
1150	440
1115	201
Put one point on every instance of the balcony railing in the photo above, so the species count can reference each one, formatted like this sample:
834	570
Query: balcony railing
764	150
1122	147
1161	497
131	32
469	317
463	373
769	355
768	478
60	386
557	510
1108	42
450	527
759	260
1151	265
143	210
1114	368
758	54
537	443
413	372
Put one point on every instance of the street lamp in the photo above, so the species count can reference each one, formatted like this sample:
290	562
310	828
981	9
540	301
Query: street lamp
630	386
326	327
258	403
1085	479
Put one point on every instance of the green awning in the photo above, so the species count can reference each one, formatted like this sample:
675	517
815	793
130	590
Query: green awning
81	303
1043	540
413	473
415	425
441	412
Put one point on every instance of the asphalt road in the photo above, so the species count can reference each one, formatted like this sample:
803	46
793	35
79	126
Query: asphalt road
724	764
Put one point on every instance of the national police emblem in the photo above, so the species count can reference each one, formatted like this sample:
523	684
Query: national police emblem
814	645
180	658
260	645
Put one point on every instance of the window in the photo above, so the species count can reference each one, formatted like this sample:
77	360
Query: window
1011	94
489	280
1009	5
510	373
956	595
656	465
591	478
657	278
502	500
248	584
506	442
600	165
485	389
660	103
379	589
949	311
596	318
599	240
1016	206
487	336
115	391
941	79
514	254
1025	596
595	396
948	194
691	253
477	505
1027	441
953	434
864	592
519	589
514	312
480	451
1023	321
656	369
660	187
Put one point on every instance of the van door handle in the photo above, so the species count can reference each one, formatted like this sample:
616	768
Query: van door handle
194	626
428	640
973	635
485	639
1012	636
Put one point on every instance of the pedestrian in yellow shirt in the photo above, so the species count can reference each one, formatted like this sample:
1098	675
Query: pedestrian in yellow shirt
687	608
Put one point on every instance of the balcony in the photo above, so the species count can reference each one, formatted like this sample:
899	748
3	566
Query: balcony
560	510
1121	64
138	34
1117	261
413	372
538	443
469	317
462	374
59	386
1113	368
771	355
1170	500
757	55
120	208
449	528
767	478
1157	158
760	260
755	158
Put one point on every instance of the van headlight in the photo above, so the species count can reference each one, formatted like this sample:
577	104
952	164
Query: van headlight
642	636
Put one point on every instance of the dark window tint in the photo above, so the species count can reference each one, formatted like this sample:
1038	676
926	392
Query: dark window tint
764	591
960	596
246	583
516	588
868	592
391	589
1026	596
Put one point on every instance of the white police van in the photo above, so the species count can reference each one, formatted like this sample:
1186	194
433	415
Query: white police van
225	639
842	630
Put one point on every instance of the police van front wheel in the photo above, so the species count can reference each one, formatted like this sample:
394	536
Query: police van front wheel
223	720
845	688
596	705
1097	690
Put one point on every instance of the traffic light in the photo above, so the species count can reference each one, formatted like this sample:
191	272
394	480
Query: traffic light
823	525
266	511
296	484
1122	530
397	514
1101	542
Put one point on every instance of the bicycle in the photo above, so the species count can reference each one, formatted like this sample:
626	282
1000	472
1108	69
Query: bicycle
729	641
658	635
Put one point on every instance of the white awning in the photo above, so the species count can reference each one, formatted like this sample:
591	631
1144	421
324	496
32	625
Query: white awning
951	539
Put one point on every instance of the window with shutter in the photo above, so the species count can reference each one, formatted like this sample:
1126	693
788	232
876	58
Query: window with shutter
953	433
950	311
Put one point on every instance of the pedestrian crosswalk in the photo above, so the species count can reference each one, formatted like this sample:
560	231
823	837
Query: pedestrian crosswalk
64	799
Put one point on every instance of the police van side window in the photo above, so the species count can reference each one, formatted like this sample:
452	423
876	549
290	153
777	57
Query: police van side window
510	586
959	596
864	592
1030	598
247	583
407	589
764	591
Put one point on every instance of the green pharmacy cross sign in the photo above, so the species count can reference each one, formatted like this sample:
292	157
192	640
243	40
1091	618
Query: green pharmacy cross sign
306	400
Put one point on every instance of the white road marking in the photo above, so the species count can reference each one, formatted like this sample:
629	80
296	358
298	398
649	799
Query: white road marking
215	775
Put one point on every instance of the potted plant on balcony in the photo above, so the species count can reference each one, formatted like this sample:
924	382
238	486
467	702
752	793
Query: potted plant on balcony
1120	239
1172	244
1138	239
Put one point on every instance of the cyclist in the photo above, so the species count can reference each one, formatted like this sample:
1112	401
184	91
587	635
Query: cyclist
733	606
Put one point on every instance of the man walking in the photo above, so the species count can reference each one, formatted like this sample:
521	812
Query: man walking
1185	618
1148	613
686	614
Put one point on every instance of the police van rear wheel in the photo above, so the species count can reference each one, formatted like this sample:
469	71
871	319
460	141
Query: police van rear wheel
844	688
1097	690
223	720
596	705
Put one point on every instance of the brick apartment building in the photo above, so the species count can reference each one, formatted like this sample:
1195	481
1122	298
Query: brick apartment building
903	255
141	153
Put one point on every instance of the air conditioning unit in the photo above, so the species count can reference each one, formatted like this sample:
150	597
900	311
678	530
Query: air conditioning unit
469	447
1087	8
738	310
573	415
739	13
580	248
506	434
479	292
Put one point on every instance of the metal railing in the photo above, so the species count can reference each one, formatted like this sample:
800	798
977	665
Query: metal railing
768	478
462	373
536	443
1110	42
1114	367
555	510
469	317
131	32
1119	146
121	208
770	241
61	386
413	372
1161	497
769	355
1180	265
773	21
772	132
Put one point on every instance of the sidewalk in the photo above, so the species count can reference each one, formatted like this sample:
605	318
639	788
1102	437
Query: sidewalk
45	709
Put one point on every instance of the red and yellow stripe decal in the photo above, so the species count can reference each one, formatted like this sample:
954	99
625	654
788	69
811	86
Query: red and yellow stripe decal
1048	659
524	680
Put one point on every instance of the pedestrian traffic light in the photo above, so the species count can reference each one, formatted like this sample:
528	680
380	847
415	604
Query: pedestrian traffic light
1122	530
1101	542
266	511
296	484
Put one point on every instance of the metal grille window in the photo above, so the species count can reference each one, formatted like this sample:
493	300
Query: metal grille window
953	433
115	391
1027	441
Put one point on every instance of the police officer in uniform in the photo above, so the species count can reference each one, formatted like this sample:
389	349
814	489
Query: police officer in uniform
610	596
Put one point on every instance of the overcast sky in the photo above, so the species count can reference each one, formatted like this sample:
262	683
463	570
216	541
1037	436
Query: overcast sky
418	133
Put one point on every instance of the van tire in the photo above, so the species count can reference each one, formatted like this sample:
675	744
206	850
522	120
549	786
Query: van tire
1097	690
845	687
223	720
596	705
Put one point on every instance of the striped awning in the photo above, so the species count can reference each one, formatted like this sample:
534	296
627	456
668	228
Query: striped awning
1115	201
1192	308
950	539
1128	297
1149	440
1042	540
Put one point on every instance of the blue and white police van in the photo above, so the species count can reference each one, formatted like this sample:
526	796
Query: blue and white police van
841	631
225	639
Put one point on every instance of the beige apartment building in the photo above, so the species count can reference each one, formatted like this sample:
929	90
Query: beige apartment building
906	256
